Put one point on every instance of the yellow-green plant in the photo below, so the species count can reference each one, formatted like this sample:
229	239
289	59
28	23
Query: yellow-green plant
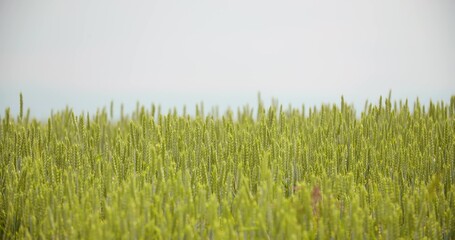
268	173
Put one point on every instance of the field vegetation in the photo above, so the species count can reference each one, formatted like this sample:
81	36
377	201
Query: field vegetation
263	172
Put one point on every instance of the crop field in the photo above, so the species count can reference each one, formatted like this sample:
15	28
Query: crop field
263	172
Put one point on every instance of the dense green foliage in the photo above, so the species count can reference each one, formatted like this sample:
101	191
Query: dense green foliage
268	173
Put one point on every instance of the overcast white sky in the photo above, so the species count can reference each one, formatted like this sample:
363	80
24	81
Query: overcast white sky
86	53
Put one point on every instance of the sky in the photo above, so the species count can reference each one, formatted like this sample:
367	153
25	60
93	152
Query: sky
86	53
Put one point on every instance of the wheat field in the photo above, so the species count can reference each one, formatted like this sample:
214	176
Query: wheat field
262	172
